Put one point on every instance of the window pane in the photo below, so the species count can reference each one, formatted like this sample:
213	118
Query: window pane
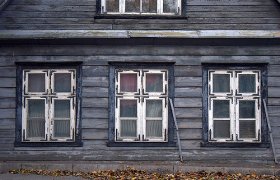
62	108
247	129
36	108
247	83
132	5
169	6
153	128
154	108
221	129
128	108
36	118
221	83
128	128
112	5
247	109
154	82
62	128
36	82
128	82
221	109
62	82
149	6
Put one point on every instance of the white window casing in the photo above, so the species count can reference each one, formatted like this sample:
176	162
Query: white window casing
50	96
231	91
159	11
141	96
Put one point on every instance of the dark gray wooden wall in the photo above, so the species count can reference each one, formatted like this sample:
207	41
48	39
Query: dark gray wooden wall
202	14
188	82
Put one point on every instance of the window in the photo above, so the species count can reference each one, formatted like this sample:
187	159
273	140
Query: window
234	109
149	7
48	107
140	108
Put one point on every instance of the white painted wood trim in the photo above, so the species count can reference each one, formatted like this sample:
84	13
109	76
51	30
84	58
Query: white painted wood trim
84	34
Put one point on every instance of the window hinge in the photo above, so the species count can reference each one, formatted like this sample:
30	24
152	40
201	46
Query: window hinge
259	136
138	138
231	138
165	134
143	138
237	139
116	134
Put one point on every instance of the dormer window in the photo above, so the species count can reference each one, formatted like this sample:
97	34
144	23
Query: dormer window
143	7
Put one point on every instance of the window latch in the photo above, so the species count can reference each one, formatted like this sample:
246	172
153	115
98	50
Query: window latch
231	138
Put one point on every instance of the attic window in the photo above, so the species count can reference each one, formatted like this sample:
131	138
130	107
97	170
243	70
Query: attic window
143	7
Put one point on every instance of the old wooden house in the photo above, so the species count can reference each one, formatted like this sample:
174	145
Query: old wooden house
91	84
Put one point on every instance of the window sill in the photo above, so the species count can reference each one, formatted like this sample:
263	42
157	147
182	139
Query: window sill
138	16
48	144
235	144
141	144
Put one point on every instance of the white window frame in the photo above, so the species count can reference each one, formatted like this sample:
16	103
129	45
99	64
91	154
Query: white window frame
159	8
234	96
49	96
141	96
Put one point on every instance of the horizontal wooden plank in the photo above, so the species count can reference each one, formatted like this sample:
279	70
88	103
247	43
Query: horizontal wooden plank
188	81
95	113
7	113
188	112
230	2
7	103
190	123
7	133
51	7
274	101
7	92
188	92
95	82
7	123
54	2
95	134
8	72
219	14
187	102
273	92
8	82
52	20
95	102
169	50
94	123
188	71
94	92
273	111
95	71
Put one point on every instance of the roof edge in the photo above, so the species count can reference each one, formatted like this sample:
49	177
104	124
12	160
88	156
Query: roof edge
85	34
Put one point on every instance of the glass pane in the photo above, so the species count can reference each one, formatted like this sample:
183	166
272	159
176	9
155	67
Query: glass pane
112	5
36	82
247	83
169	6
62	108
128	108
247	109
128	82
154	108
154	82
153	128
62	128
221	109
62	82
128	128
247	129
132	6
149	6
221	83
221	129
36	108
36	118
36	128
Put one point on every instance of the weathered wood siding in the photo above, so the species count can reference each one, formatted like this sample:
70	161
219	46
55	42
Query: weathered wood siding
200	14
188	98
